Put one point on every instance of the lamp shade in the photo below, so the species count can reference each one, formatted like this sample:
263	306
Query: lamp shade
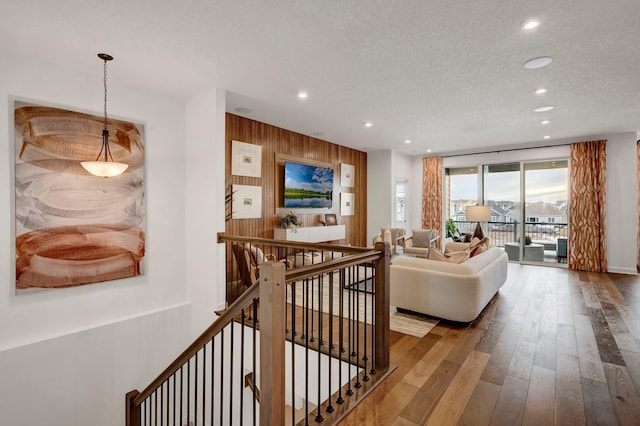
478	213
104	168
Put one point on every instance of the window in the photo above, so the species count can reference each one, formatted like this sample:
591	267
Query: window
462	191
401	201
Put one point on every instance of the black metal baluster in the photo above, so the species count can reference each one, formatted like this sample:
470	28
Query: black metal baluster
319	417
188	391
255	378
242	368
374	283
341	278
213	366
349	324
306	358
358	326
181	401
313	306
195	389
330	408
221	375
293	353
366	321
204	382
231	372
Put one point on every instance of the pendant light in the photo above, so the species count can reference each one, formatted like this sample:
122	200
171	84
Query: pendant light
105	168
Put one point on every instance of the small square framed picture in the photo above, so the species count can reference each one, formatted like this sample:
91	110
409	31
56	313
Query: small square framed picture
330	219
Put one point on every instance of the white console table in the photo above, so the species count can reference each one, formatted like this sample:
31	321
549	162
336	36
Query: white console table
311	234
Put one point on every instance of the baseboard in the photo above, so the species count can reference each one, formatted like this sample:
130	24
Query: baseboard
620	270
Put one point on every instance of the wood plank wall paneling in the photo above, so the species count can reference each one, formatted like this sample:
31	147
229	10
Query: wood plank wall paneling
277	142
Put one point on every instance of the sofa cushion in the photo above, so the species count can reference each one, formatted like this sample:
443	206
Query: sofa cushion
458	256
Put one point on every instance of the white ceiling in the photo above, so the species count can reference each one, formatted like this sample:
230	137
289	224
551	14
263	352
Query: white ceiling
448	75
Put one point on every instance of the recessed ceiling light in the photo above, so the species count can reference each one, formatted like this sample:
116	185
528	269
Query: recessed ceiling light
547	137
368	124
318	134
529	25
243	110
429	150
536	63
541	90
407	141
545	122
544	108
303	95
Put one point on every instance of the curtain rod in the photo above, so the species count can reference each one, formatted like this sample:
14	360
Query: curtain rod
498	151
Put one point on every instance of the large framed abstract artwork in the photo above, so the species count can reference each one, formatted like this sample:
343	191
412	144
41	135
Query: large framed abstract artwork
73	228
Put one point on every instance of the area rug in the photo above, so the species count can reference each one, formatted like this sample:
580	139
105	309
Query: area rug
307	293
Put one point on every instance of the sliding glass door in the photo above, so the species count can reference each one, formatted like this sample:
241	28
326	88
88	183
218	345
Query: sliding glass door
528	203
545	210
502	191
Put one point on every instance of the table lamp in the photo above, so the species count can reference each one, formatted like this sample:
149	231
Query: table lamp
478	214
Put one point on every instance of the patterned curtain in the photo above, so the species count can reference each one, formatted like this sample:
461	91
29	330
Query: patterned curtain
432	195
587	206
638	202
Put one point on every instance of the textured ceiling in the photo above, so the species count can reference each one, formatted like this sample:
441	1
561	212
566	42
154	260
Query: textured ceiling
448	75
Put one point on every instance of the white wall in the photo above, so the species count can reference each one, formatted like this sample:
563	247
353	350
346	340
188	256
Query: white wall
68	356
379	192
204	191
622	220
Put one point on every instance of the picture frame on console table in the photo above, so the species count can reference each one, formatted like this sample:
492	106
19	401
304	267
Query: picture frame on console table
330	219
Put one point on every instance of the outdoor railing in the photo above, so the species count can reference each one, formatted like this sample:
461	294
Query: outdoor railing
546	233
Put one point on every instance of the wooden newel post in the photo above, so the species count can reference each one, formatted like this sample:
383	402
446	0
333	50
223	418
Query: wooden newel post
132	411
272	337
382	338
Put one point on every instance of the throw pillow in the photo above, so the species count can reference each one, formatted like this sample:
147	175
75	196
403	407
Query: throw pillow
477	250
479	242
435	254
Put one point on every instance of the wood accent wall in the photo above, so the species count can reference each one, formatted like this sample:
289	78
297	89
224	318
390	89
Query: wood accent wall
279	143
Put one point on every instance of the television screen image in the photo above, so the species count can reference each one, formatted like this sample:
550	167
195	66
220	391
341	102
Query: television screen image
307	186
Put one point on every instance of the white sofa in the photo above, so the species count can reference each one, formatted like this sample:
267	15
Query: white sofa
457	292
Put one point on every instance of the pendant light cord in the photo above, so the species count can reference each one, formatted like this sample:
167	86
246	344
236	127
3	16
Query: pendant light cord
105	95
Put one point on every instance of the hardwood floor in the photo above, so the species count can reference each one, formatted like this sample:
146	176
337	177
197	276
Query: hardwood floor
553	347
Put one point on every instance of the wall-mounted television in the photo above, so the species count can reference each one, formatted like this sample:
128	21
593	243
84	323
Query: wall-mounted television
307	186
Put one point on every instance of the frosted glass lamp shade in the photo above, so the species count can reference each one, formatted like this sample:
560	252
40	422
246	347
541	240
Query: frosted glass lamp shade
104	168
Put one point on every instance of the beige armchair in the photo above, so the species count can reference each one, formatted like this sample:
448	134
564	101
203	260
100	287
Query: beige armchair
420	241
395	237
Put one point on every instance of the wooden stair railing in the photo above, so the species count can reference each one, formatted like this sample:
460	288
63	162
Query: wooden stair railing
272	316
273	279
